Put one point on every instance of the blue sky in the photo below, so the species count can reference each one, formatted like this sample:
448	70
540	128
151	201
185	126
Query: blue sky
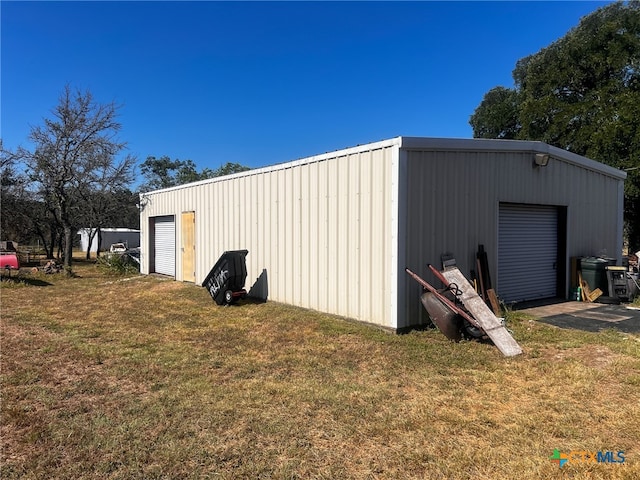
264	83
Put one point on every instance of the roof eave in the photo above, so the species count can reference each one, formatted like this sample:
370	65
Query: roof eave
494	145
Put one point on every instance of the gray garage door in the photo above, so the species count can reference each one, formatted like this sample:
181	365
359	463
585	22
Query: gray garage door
527	252
165	245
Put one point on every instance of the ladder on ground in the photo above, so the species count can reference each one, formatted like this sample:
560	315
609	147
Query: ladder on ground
491	324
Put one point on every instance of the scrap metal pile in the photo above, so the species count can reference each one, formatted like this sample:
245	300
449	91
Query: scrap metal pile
459	312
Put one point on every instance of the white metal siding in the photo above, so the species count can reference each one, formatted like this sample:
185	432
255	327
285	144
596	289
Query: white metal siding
319	229
527	252
165	245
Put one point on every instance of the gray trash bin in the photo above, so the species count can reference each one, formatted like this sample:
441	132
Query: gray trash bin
594	272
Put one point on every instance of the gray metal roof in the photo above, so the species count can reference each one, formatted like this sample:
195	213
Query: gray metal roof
435	144
491	145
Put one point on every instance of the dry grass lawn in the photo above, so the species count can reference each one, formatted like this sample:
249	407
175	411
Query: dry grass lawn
139	377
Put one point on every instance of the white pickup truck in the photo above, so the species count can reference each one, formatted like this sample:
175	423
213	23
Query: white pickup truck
118	248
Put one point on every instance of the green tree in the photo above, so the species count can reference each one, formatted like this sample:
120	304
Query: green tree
582	94
164	173
75	153
14	199
25	218
497	115
229	169
159	172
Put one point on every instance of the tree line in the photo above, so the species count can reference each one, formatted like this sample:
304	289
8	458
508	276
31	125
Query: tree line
582	94
79	175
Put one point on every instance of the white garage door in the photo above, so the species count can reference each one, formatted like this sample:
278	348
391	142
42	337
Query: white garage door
165	245
527	252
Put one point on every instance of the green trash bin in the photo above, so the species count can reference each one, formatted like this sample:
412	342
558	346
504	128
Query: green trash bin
594	272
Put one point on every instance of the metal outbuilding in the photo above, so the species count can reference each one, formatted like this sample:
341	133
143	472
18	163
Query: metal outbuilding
128	236
334	232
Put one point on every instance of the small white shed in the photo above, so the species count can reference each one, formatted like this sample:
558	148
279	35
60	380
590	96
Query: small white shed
128	236
334	232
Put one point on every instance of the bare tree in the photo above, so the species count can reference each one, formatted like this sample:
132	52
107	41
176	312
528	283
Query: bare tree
75	153
99	195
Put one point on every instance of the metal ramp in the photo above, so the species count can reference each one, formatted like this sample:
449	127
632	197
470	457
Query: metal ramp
491	324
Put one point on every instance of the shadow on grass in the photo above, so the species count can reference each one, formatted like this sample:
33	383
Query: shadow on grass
243	301
34	282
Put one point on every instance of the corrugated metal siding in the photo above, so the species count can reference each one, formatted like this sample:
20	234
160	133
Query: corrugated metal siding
319	229
452	206
527	252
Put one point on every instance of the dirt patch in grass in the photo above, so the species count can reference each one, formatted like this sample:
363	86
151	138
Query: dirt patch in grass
593	356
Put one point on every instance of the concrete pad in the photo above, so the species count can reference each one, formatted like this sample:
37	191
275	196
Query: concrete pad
587	316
